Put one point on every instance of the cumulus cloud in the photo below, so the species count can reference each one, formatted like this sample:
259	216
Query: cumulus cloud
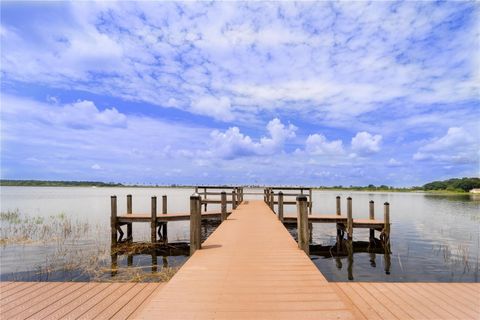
317	144
217	108
365	143
457	145
86	114
233	144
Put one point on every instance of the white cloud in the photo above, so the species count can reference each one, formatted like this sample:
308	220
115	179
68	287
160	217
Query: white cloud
365	143
394	163
232	143
96	166
206	58
457	145
317	144
217	108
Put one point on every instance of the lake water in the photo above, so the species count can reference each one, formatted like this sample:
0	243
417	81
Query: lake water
433	237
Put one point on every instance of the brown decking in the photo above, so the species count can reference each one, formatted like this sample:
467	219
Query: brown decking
413	300
250	267
72	300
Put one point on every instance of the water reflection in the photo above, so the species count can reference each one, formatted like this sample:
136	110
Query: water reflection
346	248
162	248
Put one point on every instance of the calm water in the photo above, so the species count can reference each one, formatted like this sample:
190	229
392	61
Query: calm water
433	237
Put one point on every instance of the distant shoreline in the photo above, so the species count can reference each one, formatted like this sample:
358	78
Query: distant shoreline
96	184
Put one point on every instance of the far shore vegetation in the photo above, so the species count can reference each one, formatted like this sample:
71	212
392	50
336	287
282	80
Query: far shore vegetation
455	185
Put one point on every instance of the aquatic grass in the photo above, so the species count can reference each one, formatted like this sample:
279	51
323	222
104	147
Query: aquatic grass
77	250
17	228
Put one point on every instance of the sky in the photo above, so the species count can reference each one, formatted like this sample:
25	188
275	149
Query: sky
308	93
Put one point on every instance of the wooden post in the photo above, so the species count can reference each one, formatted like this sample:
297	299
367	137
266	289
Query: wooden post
153	220
339	210
349	218
310	204
302	223
224	205
234	200
129	211
371	215
164	211
272	198
113	219
280	206
205	198
386	218
265	195
195	223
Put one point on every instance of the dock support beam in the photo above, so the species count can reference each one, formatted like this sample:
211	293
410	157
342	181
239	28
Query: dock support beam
224	206
339	210
271	199
349	218
195	223
280	206
129	211
310	204
371	215
153	220
386	220
113	219
234	200
164	226
302	223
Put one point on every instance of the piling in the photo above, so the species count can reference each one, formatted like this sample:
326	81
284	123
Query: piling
129	211
310	204
302	223
164	226
195	223
153	220
224	205
280	206
234	200
339	210
271	199
371	215
113	219
386	220
349	218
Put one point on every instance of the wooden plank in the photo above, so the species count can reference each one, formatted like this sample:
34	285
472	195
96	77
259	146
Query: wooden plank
64	301
91	303
429	300
121	302
458	306
4	284
69	307
391	305
40	302
97	309
436	312
408	304
137	302
382	310
15	289
26	295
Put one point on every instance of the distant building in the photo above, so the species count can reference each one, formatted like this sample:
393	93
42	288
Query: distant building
475	191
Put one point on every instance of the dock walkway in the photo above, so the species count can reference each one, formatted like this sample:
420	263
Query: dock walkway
249	268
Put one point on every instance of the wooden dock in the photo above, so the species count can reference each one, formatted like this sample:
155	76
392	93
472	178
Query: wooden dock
73	300
249	268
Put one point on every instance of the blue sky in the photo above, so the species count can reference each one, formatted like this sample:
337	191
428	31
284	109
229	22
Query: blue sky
272	93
